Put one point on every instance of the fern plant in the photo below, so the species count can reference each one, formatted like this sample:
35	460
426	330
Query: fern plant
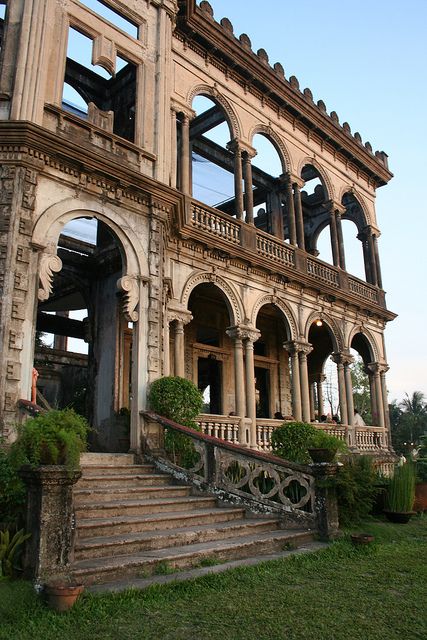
9	549
56	437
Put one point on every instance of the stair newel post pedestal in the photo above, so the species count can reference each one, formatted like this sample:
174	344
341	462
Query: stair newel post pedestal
325	500
50	520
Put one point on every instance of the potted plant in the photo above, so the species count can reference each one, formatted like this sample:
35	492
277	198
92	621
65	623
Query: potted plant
47	453
323	447
56	437
401	493
61	592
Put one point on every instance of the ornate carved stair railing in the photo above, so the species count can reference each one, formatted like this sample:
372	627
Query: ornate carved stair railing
260	482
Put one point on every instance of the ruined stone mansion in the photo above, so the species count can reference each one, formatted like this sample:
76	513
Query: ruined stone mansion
203	178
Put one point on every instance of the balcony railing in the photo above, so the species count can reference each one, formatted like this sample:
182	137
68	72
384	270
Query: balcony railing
230	232
232	429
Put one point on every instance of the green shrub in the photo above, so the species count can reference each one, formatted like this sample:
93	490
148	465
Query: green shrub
323	440
55	437
291	441
401	489
12	492
357	487
179	400
10	549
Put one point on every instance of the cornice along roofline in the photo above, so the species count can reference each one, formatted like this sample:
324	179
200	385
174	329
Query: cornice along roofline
197	24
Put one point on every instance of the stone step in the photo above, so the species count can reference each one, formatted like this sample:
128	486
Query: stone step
107	458
140	507
116	525
116	469
137	542
146	479
98	570
191	574
89	497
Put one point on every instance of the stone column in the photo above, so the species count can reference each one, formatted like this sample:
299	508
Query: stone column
304	350
372	394
348	359
377	262
312	401
296	383
290	209
250	336
173	151
383	371
249	198
372	263
320	406
299	216
375	367
341	251
239	378
365	247
181	318
238	178
337	358
334	235
185	155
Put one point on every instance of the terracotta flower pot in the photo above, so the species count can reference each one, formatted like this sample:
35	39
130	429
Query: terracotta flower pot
361	538
62	597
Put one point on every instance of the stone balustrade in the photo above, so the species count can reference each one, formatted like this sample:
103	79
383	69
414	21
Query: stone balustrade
223	427
236	233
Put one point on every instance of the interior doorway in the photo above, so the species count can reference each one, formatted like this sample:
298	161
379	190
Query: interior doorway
209	377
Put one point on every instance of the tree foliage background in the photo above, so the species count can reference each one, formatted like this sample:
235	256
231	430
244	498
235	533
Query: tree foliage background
408	420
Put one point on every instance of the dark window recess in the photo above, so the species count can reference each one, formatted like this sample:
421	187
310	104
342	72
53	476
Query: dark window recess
262	391
209	383
208	335
115	94
260	348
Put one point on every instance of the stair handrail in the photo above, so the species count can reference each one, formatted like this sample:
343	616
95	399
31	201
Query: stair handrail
261	482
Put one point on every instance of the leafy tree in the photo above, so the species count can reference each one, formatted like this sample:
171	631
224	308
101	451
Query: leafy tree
361	389
408	420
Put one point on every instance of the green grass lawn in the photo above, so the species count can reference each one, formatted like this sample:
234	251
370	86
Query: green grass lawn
373	593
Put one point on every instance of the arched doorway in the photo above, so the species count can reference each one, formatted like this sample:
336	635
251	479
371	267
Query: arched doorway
83	350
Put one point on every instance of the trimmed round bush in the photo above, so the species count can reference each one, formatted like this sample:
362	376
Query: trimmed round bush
177	399
291	441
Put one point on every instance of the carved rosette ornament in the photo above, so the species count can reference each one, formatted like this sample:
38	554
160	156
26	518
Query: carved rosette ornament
129	286
50	263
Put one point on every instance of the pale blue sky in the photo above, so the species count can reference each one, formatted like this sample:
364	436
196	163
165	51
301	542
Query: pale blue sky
367	61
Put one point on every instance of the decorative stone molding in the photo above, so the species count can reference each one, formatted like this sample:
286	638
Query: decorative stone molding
244	332
181	315
230	296
342	357
276	140
281	306
212	92
129	285
378	367
297	346
104	54
49	264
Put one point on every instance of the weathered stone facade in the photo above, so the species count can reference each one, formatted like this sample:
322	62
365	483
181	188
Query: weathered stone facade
222	294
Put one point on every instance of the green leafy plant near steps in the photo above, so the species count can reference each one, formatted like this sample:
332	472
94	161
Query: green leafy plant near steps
357	485
10	546
292	440
401	489
179	400
56	437
12	492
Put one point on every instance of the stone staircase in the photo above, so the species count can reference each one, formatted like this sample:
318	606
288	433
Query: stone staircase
134	523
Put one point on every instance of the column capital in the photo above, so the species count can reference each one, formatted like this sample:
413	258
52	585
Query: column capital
180	107
235	145
370	230
246	148
378	367
246	332
294	179
298	346
334	206
342	357
181	315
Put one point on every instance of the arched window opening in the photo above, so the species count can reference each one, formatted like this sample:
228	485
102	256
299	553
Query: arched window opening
212	164
324	404
311	208
267	196
353	250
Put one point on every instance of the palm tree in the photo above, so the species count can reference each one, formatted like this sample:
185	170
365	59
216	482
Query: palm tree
414	416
